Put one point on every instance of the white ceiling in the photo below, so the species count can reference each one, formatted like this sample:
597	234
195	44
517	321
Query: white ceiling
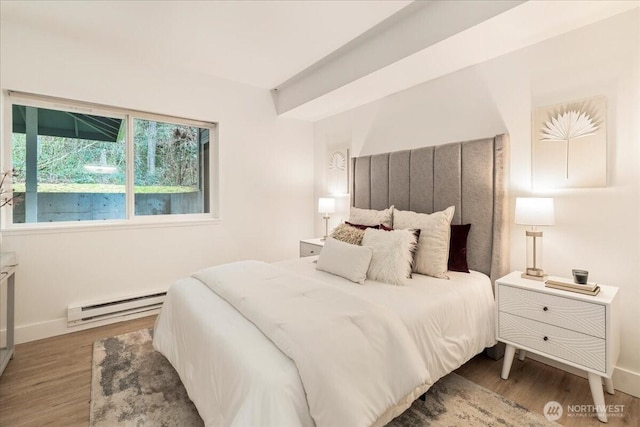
524	25
265	43
259	43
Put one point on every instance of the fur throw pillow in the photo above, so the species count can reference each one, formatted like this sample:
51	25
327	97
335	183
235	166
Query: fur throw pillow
348	234
391	255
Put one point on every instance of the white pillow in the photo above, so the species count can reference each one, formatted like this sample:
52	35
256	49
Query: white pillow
371	216
392	254
344	260
433	246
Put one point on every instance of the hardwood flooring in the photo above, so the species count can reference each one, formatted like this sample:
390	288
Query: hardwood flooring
48	382
532	384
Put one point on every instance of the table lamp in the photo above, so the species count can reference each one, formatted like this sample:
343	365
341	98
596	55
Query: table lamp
534	211
326	205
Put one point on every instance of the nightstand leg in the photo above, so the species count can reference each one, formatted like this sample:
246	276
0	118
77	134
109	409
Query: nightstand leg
521	355
509	352
608	386
595	383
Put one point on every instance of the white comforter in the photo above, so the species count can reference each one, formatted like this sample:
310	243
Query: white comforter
237	377
356	359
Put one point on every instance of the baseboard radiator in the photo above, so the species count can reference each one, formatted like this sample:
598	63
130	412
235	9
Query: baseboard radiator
115	309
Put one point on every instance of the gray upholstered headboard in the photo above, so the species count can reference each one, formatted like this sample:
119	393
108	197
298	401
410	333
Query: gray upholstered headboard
468	175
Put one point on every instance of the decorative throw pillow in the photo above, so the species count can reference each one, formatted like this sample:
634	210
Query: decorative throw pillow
414	249
416	232
458	248
348	233
345	260
433	246
371	216
391	259
362	226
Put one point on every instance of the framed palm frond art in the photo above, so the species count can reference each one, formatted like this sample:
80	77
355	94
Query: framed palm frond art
569	145
338	170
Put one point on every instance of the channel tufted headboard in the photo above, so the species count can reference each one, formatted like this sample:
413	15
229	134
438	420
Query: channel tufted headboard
468	175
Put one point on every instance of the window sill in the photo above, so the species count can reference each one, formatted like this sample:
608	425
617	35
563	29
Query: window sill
97	226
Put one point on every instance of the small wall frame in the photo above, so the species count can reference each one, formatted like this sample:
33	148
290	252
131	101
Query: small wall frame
337	165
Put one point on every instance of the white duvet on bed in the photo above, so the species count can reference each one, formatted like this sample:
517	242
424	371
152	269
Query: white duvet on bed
238	377
450	320
355	359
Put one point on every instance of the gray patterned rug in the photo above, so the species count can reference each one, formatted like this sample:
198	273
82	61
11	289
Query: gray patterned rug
133	385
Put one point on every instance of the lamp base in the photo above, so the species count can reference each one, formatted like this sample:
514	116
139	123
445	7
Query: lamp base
326	227
535	274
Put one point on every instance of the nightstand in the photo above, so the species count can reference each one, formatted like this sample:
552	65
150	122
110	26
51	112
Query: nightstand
578	330
310	247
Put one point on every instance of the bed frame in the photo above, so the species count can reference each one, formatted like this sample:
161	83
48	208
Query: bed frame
469	175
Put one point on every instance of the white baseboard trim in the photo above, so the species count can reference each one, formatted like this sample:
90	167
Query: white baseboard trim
624	380
52	328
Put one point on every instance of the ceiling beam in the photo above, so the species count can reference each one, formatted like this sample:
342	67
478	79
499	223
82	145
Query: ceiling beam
314	94
415	27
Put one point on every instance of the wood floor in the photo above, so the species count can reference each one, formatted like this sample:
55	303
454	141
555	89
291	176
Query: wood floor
532	384
47	382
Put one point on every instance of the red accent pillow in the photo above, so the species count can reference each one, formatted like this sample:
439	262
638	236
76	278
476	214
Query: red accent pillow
362	226
458	248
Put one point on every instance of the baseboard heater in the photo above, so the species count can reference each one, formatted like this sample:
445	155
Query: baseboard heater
127	307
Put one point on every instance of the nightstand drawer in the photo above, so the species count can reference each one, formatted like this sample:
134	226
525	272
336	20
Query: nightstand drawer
308	249
569	345
579	316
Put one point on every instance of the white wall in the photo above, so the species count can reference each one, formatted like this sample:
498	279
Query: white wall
596	229
266	178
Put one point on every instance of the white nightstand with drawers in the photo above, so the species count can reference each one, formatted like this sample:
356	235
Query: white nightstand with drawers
310	247
579	330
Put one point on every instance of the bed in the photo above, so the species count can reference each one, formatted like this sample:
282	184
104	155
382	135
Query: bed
242	366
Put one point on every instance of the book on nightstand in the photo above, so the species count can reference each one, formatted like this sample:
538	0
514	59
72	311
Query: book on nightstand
563	284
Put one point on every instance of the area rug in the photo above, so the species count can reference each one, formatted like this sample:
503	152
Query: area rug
134	385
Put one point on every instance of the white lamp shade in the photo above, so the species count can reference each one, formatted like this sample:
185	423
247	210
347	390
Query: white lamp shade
534	211
326	205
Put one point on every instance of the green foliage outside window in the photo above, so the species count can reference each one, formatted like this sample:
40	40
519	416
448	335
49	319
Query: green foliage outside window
166	155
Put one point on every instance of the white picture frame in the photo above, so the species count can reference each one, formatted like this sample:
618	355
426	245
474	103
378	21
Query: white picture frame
569	145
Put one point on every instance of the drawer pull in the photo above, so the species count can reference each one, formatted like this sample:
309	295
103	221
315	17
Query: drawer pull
546	339
545	309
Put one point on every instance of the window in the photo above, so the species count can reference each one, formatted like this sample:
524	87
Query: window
77	162
170	168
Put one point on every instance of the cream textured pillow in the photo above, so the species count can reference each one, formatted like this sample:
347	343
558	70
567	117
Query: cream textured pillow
392	254
348	234
433	245
371	216
344	260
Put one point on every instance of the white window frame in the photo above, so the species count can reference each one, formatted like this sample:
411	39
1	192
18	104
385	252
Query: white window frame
131	220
